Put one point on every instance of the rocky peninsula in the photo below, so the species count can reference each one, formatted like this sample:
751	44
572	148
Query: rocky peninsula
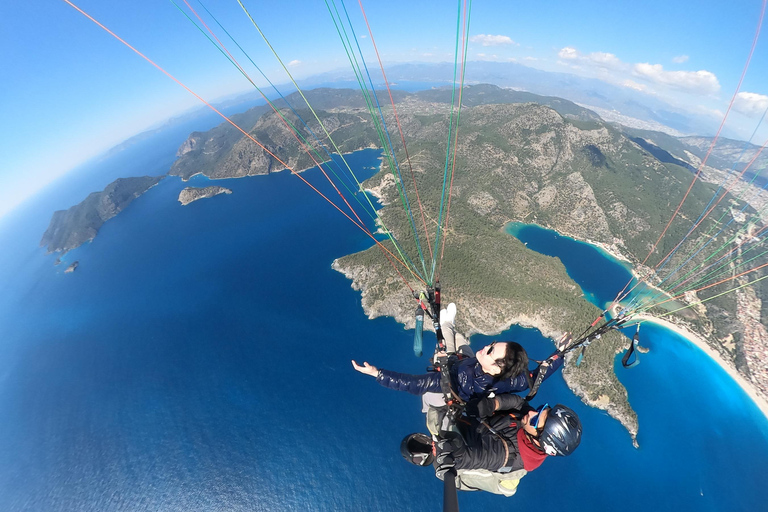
71	228
191	194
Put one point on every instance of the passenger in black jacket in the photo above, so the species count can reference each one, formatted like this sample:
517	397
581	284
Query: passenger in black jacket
500	434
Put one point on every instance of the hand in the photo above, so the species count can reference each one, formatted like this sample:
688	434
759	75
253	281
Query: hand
441	470
443	464
366	368
438	355
481	408
565	340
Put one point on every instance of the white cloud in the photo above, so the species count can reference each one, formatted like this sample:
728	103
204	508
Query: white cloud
634	85
569	53
680	59
604	59
294	63
491	57
751	104
708	111
600	59
647	78
701	82
489	40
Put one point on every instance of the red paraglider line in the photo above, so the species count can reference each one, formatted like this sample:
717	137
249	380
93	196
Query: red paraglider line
288	126
399	127
193	93
717	135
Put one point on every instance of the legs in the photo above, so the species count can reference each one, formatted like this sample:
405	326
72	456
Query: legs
453	340
433	404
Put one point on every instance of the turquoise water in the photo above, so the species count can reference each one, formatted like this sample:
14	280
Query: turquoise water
600	276
198	359
694	418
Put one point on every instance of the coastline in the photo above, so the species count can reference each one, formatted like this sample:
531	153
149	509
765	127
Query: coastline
696	340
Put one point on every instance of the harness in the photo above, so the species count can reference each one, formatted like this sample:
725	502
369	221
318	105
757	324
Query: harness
454	403
429	304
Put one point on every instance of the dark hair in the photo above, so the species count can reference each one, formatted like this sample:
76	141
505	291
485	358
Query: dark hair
515	361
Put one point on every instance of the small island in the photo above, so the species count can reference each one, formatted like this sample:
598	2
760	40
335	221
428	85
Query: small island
191	194
72	267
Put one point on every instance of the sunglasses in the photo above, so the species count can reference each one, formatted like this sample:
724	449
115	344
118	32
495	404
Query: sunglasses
498	362
534	422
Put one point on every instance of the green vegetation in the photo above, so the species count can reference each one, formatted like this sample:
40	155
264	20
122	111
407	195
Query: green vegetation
71	228
559	166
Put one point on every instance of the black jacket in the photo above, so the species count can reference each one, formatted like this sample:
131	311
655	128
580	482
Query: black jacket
486	444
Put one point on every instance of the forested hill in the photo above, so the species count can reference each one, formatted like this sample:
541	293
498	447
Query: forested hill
520	157
224	152
71	228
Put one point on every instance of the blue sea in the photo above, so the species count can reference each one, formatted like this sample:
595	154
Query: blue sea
199	359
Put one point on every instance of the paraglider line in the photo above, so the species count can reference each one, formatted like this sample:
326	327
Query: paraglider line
399	127
717	135
465	43
223	116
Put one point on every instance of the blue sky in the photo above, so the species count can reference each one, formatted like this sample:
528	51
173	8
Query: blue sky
69	91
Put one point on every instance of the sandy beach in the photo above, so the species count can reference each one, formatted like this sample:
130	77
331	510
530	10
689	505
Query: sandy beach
700	343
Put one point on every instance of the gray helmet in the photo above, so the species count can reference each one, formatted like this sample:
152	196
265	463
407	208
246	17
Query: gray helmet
562	431
417	449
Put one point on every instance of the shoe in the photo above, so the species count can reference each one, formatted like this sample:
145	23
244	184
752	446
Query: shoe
448	315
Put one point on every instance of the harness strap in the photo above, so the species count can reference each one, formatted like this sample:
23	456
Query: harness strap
534	388
625	361
455	405
434	302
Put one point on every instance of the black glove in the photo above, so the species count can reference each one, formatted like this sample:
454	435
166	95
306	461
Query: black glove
443	464
448	449
480	408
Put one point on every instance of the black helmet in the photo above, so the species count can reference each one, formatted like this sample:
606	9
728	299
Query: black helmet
562	431
417	449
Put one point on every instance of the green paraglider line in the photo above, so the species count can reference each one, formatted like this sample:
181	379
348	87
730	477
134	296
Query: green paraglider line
440	227
316	138
702	266
246	134
397	121
388	150
377	119
301	93
467	14
297	133
715	296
